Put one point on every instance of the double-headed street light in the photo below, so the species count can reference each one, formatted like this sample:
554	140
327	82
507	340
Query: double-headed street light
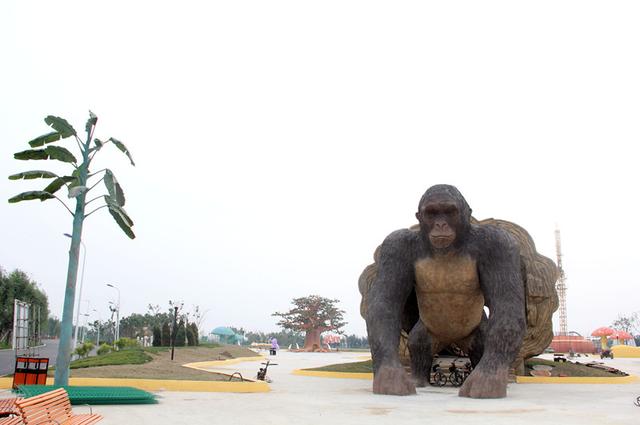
84	258
117	311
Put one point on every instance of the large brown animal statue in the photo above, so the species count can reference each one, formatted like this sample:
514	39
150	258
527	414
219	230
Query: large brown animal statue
428	288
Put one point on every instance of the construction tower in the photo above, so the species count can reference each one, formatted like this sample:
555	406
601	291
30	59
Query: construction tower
561	287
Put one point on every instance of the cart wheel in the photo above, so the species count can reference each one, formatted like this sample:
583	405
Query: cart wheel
440	379
456	379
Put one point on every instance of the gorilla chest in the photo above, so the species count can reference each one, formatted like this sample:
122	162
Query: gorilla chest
453	275
449	297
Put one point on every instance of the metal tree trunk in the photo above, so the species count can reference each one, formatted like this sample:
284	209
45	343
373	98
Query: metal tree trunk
66	327
312	340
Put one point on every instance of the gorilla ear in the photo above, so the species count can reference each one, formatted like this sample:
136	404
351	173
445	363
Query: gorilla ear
418	215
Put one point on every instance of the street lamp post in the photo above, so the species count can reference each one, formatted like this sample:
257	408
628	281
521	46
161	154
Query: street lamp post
84	330
98	330
84	258
117	311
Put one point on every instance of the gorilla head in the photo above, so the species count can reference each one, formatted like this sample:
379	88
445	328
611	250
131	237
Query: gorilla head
444	217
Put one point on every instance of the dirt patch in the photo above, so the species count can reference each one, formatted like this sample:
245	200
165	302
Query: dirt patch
162	367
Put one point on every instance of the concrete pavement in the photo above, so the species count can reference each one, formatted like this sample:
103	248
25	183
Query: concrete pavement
311	400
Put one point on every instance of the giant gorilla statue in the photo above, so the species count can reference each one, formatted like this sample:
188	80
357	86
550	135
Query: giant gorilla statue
429	286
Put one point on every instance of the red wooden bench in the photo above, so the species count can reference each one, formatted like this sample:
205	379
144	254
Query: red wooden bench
9	412
11	420
54	408
8	406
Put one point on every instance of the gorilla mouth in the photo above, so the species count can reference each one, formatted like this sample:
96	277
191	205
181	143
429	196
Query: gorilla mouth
441	241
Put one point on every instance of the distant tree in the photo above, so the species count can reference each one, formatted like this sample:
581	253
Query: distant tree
108	331
166	335
629	323
17	285
287	338
312	315
255	336
192	329
154	316
180	334
197	316
191	338
354	341
157	336
98	331
133	325
53	327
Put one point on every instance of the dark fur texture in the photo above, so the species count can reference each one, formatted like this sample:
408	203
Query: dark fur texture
493	343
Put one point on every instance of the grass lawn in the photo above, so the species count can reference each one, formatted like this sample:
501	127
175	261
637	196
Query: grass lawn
355	367
128	356
156	363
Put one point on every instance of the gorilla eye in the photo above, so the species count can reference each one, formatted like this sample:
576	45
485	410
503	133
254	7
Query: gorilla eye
451	211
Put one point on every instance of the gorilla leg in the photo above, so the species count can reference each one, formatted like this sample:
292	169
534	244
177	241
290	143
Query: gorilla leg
421	357
476	347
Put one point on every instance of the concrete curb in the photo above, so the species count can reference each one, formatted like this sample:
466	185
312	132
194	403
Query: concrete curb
162	385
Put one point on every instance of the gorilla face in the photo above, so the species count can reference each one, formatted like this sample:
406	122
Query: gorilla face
445	217
439	218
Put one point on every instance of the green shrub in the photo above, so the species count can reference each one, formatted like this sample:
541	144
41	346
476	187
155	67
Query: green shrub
104	349
84	349
123	343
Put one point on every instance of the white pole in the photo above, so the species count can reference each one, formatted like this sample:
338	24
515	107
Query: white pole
15	324
117	311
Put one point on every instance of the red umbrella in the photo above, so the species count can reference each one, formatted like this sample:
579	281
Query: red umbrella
621	335
603	333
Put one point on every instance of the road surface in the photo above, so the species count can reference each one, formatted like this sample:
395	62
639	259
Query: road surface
49	349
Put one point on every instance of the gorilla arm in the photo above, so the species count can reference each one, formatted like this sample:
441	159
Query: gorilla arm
501	283
388	295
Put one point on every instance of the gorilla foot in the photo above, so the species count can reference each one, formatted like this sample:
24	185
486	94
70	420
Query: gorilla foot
393	381
485	385
420	382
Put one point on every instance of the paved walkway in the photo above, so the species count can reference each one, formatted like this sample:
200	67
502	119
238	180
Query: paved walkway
310	400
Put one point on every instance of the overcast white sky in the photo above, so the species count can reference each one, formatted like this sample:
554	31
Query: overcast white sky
278	142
